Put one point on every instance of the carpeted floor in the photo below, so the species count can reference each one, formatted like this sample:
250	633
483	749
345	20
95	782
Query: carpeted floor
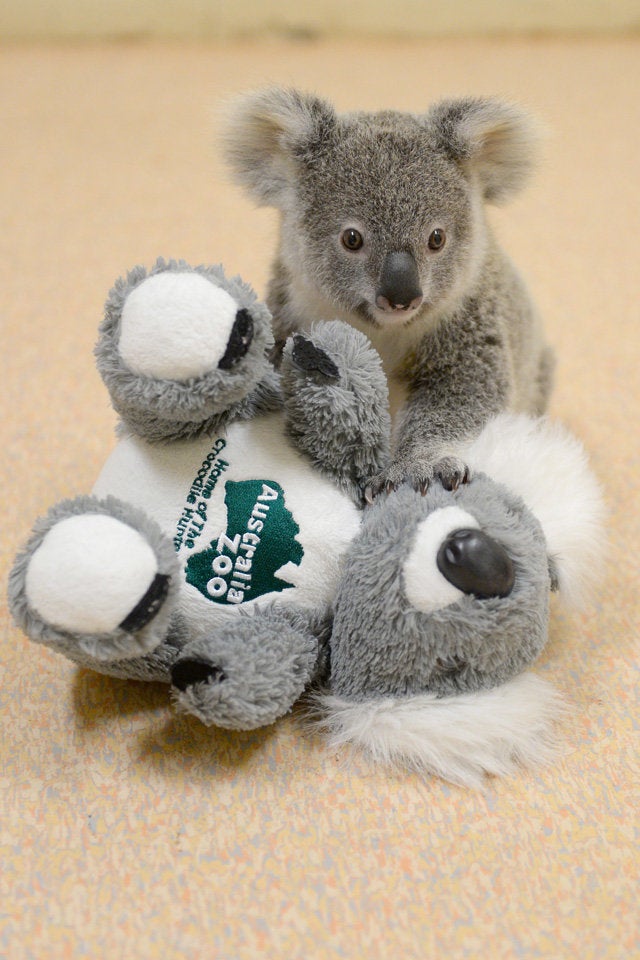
127	832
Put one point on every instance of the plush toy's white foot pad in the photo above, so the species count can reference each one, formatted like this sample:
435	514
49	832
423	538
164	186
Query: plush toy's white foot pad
89	573
176	326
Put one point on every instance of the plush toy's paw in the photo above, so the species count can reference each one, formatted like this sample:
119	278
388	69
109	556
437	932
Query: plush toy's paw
249	673
336	402
181	326
180	345
95	579
306	356
449	472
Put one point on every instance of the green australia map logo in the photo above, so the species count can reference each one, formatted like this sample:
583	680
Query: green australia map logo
260	538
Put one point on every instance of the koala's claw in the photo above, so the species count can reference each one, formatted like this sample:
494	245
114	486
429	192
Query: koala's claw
312	359
375	488
450	472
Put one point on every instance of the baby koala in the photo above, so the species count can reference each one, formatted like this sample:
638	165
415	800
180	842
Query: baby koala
383	226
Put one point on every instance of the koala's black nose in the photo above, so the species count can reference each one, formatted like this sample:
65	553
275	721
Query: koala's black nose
399	283
475	563
239	341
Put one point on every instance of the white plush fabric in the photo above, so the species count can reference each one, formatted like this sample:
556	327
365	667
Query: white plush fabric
548	467
169	308
460	738
425	587
169	481
89	573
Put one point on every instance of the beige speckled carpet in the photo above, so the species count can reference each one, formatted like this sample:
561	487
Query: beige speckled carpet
127	832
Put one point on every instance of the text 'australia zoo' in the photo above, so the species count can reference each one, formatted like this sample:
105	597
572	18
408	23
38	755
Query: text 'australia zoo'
260	539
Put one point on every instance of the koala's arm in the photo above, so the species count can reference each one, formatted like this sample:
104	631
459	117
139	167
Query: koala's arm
458	378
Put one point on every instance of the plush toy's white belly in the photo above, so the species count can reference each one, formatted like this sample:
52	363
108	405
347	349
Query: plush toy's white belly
250	519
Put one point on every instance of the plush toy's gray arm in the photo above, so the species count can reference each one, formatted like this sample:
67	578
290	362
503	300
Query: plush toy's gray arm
140	416
63	564
253	667
336	403
160	404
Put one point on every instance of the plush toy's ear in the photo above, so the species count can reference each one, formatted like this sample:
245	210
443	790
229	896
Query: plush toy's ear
267	131
547	466
495	142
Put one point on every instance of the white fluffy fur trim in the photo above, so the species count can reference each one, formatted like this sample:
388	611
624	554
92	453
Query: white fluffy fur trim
547	466
459	738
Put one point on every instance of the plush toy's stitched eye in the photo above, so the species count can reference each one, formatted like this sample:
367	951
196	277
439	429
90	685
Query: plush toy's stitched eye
352	239
437	239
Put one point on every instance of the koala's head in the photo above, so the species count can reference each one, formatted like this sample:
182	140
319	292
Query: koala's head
382	213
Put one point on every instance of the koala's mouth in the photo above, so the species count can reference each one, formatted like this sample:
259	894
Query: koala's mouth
385	319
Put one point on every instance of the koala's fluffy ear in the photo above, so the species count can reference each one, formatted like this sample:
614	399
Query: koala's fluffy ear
496	142
267	132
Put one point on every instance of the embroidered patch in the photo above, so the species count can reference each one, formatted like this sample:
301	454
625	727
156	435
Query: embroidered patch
260	539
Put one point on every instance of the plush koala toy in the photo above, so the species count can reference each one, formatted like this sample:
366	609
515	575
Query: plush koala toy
383	225
226	549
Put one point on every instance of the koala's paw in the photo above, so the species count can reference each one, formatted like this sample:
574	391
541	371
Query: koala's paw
449	472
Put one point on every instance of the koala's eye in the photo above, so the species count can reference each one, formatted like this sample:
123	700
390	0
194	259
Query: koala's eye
437	239
352	239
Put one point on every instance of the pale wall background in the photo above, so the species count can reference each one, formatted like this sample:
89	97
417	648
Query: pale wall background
215	19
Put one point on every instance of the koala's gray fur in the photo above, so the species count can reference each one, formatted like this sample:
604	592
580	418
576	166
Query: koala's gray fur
469	344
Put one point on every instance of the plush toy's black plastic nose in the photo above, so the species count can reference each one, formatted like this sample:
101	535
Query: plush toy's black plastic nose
239	341
477	564
184	673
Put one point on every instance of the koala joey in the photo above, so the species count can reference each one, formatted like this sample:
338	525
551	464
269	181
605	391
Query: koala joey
383	226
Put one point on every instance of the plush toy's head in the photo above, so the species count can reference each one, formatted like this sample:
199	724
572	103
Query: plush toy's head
445	601
443	593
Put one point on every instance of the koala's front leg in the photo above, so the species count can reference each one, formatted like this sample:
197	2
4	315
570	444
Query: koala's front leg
460	378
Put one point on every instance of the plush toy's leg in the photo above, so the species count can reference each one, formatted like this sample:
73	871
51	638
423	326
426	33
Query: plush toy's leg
250	671
96	581
336	403
183	349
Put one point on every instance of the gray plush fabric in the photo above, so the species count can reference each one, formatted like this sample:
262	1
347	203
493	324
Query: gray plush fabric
382	647
165	410
265	658
87	649
341	422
